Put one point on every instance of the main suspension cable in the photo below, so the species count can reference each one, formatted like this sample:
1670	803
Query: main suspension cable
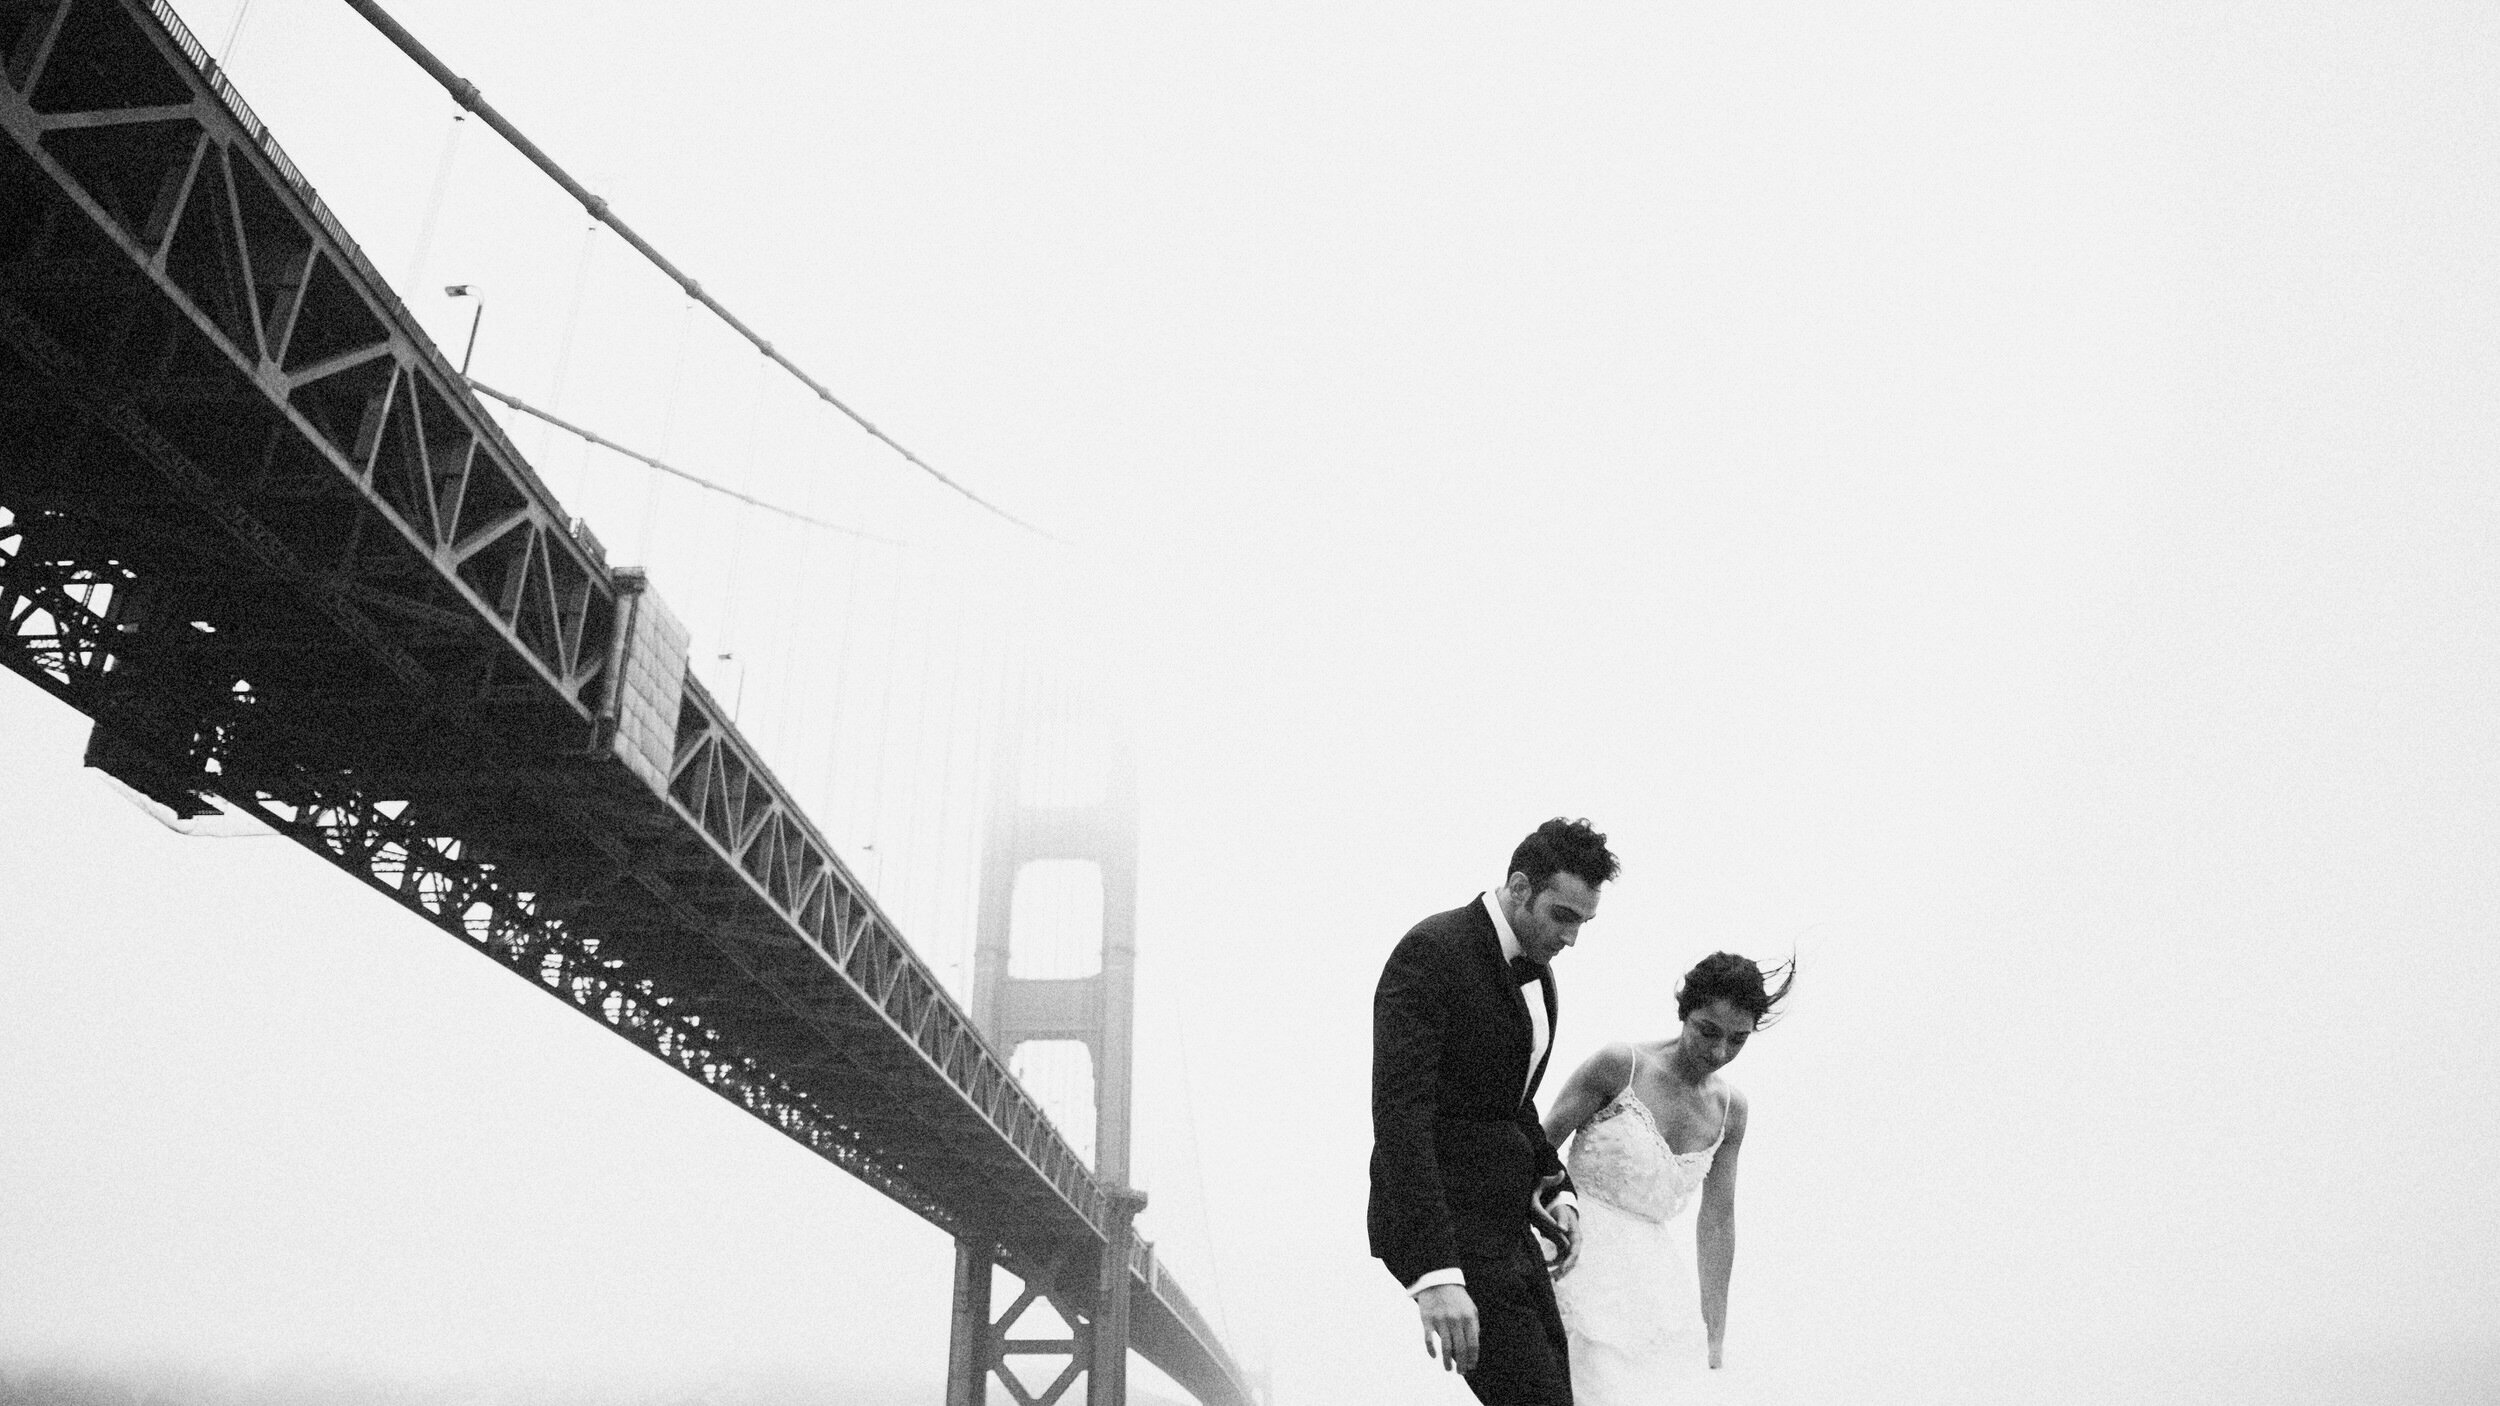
696	479
466	94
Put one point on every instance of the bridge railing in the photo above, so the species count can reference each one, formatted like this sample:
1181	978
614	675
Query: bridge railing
214	74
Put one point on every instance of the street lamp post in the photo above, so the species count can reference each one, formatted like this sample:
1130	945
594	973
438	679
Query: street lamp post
461	290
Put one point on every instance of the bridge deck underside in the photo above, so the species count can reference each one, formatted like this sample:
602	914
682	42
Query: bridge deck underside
251	527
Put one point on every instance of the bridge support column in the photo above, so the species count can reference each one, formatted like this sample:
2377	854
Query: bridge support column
971	1342
979	1345
1037	816
1106	1380
1051	994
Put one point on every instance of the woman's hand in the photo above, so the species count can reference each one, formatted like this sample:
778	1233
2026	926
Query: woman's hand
1559	1225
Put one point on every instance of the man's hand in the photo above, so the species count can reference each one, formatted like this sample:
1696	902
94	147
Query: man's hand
1560	1221
1560	1224
1449	1326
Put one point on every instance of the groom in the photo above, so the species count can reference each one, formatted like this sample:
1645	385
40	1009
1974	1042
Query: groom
1461	1026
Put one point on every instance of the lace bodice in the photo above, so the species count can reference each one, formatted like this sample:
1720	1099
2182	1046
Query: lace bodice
1621	1158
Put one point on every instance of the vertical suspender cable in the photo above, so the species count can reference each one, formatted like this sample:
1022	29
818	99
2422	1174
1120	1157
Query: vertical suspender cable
572	320
668	434
434	203
780	566
730	642
946	835
885	723
1198	1175
834	731
234	31
807	566
916	788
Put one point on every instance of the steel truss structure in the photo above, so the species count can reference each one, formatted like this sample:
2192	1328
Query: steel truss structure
253	524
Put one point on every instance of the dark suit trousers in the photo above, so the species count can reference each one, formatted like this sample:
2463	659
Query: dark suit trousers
1522	1358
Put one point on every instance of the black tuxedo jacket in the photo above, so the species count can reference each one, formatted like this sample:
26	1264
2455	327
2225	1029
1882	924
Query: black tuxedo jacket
1456	1147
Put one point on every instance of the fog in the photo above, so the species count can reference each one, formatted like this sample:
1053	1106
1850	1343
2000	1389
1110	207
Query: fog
1997	501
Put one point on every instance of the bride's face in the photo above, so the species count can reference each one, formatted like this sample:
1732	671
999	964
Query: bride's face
1715	1034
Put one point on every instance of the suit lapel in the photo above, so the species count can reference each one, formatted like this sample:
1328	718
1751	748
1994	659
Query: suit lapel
1513	1000
1553	1012
1518	1002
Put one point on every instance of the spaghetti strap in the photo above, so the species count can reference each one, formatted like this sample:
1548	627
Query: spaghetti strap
1632	1075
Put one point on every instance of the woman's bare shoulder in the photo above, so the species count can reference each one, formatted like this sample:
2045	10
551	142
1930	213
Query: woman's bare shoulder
1737	1108
1613	1064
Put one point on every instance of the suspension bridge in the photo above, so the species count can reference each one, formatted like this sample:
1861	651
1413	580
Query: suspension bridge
259	528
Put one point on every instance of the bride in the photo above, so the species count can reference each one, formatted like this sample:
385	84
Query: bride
1654	1122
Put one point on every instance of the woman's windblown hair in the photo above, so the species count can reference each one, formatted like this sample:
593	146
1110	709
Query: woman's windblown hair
1724	976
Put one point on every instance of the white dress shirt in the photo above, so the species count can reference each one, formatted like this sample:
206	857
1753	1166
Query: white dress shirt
1539	1036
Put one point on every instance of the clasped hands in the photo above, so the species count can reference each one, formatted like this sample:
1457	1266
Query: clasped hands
1451	1333
1559	1223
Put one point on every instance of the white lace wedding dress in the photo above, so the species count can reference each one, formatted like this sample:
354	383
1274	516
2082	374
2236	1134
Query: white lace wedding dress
1633	1303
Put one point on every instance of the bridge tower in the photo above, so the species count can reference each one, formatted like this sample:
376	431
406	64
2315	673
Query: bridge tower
1046	823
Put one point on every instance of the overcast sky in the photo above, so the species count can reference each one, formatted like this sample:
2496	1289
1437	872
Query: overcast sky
1997	500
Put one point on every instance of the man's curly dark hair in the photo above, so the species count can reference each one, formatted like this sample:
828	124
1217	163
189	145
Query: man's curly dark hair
1562	846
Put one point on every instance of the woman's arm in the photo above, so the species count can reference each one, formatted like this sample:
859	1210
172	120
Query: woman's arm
1715	1229
1591	1087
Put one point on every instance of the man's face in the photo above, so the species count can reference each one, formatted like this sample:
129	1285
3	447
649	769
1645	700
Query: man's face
1547	920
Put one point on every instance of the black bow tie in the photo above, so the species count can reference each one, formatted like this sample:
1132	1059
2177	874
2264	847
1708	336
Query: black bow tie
1524	971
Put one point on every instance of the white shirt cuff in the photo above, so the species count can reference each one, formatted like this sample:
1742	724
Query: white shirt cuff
1437	1278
